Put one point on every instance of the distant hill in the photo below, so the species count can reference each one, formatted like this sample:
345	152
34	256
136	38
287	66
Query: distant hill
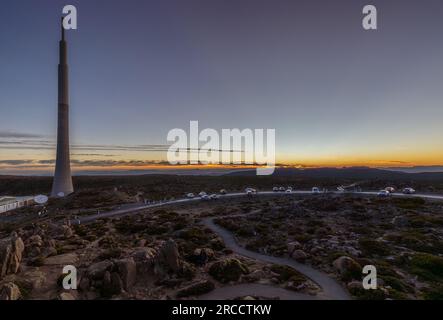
158	186
363	173
417	169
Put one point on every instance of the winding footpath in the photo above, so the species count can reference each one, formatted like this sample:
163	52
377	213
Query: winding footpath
330	288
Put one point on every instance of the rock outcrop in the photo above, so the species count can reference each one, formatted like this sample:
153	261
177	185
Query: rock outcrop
292	246
168	258
299	255
110	277
66	296
201	256
127	271
11	253
348	268
228	270
9	291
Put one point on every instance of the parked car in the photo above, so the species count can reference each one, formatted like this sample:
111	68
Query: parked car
288	190
383	193
315	190
282	189
223	191
204	197
408	191
275	189
390	189
190	195
250	191
214	196
202	194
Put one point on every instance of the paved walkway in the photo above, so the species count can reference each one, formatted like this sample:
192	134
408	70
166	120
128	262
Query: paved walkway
331	289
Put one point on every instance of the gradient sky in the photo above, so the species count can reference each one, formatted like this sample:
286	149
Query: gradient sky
336	94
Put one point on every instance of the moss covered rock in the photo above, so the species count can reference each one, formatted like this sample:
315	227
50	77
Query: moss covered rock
348	268
228	270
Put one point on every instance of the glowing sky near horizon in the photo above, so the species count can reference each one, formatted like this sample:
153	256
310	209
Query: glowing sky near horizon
337	95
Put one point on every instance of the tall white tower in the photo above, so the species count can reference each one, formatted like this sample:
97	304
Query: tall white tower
62	184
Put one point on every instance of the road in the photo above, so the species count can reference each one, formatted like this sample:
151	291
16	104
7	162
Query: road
135	208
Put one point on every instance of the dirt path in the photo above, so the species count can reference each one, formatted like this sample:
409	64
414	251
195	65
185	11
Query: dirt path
331	289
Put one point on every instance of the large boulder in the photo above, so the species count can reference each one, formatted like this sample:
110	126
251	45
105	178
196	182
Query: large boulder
97	270
112	284
11	253
169	257
67	232
110	277
35	241
299	255
144	255
84	284
201	256
292	246
127	271
254	276
34	279
145	260
34	245
9	291
348	268
66	296
228	270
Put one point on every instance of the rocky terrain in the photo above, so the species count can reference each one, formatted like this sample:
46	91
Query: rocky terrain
152	255
170	254
403	238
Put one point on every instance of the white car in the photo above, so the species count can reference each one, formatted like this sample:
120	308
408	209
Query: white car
214	196
408	191
202	194
383	193
275	189
250	191
390	189
223	191
289	190
315	190
205	197
190	195
282	189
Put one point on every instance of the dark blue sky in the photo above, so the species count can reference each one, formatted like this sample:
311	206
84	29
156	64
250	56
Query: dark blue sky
334	92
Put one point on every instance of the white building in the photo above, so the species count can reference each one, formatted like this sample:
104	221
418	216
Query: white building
12	203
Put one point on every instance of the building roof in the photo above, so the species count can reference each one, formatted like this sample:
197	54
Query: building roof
8	200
